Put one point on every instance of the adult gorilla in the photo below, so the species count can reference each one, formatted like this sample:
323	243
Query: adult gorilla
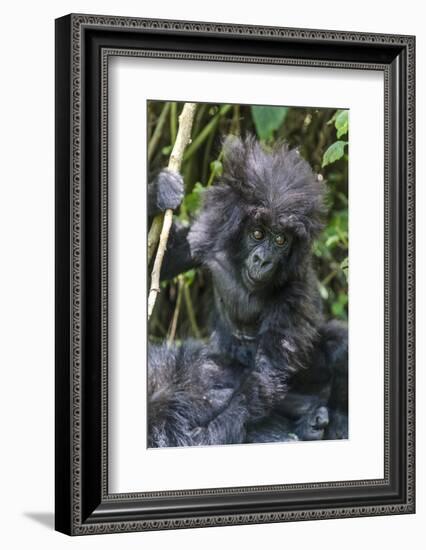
192	398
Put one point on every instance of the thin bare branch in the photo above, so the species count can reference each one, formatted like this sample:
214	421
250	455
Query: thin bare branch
182	139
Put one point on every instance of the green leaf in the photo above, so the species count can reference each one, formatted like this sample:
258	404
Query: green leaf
342	123
267	120
192	201
334	239
338	307
334	152
189	276
216	167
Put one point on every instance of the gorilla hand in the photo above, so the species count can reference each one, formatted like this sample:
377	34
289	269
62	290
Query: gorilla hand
169	190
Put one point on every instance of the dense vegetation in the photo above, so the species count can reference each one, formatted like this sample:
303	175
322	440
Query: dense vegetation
184	304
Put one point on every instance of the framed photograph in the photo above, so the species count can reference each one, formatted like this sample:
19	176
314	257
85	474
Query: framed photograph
234	274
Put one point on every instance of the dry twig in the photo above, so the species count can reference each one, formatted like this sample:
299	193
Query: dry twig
182	139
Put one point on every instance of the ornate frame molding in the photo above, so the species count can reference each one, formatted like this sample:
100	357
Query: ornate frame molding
84	506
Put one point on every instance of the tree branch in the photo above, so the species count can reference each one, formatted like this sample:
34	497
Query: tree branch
182	139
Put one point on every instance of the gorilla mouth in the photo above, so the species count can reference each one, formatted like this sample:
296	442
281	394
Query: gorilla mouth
254	280
317	432
317	429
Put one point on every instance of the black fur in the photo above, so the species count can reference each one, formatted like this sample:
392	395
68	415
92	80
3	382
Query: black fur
272	328
190	397
317	401
166	191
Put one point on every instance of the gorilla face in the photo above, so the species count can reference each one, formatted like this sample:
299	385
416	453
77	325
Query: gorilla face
312	426
309	412
265	252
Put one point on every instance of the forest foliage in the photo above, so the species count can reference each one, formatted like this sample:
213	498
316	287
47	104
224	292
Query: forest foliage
321	134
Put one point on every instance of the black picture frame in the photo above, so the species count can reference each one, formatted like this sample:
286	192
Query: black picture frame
83	45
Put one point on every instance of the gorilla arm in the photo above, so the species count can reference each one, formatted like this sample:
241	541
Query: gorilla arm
178	257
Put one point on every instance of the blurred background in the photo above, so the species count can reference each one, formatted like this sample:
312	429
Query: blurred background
321	134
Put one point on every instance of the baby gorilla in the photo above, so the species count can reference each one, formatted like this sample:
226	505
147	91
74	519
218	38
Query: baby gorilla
254	236
316	405
308	427
305	417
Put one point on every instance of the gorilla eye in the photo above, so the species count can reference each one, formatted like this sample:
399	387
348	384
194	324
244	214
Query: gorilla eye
258	234
280	240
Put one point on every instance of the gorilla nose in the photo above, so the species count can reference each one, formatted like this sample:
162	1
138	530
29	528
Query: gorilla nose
262	262
321	417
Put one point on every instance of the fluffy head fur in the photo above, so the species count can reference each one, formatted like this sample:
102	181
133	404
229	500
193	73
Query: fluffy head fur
277	189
